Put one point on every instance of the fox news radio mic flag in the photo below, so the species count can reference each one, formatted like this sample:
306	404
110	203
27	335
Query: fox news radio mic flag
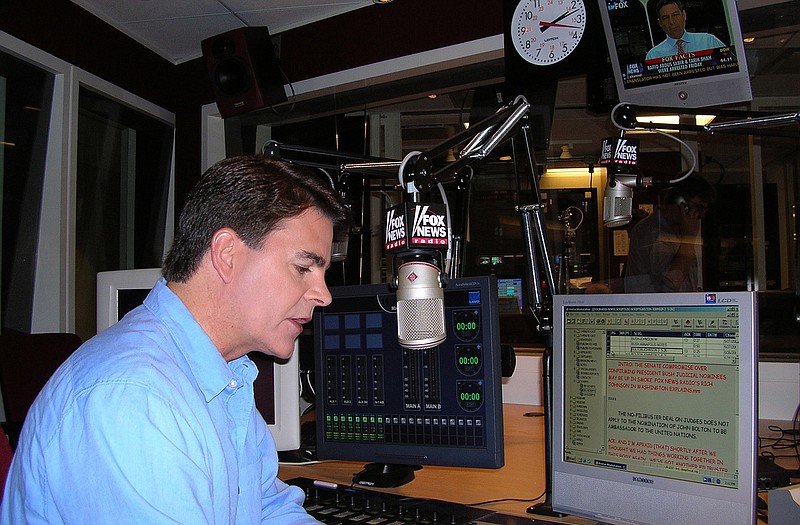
417	236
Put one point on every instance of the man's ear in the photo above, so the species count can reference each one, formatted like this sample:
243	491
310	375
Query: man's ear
224	244
681	202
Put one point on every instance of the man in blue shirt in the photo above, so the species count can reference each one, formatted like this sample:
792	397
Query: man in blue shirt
153	421
672	19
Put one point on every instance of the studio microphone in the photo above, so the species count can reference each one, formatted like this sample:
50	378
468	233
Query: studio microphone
620	157
618	200
417	236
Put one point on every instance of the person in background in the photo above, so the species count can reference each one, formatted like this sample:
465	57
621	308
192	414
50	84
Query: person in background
153	420
672	19
666	247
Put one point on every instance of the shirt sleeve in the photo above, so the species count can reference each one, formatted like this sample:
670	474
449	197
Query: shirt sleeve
715	42
280	503
283	504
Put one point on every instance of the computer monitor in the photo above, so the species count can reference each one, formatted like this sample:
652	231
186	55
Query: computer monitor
277	388
696	78
400	408
654	407
120	291
509	294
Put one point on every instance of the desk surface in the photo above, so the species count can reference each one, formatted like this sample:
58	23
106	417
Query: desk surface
522	477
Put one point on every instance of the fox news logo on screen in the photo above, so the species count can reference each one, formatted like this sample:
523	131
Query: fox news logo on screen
618	4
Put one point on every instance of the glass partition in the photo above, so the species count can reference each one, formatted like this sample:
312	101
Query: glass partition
25	99
124	162
746	239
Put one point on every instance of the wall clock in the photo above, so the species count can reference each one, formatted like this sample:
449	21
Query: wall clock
545	32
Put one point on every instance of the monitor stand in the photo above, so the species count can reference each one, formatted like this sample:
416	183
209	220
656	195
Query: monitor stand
385	475
545	508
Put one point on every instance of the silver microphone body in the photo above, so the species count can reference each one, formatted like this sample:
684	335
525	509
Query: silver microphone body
420	305
617	204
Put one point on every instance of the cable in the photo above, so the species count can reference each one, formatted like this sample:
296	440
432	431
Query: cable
654	129
449	252
503	500
788	439
690	150
403	166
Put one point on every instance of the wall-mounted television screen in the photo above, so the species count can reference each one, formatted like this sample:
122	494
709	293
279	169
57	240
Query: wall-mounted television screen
676	53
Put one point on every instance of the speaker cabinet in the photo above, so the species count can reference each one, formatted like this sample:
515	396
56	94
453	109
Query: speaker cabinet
244	72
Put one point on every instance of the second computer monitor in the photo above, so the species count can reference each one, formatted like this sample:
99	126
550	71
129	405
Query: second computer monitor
655	407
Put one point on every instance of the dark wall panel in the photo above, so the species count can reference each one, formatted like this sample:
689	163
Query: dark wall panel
381	32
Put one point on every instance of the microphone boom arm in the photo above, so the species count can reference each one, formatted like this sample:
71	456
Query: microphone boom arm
624	117
481	139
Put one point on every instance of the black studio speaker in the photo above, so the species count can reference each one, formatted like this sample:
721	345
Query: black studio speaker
244	73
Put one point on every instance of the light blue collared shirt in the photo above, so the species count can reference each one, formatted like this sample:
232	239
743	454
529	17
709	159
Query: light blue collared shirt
692	42
147	423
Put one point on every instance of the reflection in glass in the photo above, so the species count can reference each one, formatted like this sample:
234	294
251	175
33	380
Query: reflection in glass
124	160
25	101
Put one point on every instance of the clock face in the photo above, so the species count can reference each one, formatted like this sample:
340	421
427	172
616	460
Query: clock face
545	32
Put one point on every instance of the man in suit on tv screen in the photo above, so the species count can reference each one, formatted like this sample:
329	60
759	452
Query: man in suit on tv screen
672	19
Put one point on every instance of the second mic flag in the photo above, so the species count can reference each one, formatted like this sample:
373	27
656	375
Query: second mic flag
620	154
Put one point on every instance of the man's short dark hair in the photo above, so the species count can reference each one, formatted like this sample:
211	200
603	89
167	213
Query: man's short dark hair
662	3
692	186
251	195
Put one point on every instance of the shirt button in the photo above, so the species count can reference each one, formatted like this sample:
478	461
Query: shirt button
233	383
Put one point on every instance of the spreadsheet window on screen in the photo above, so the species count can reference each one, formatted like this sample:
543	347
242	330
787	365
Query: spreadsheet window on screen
655	352
654	407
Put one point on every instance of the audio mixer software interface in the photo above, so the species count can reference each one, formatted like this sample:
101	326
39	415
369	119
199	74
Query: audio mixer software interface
379	402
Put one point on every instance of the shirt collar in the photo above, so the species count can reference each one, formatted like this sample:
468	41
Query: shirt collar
210	370
685	37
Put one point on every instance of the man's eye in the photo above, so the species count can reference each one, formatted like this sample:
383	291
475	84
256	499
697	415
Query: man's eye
303	269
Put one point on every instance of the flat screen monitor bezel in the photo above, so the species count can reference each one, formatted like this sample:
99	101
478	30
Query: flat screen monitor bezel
713	90
285	429
613	496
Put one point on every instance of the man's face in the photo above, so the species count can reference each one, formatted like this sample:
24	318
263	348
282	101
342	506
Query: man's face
277	286
696	208
672	20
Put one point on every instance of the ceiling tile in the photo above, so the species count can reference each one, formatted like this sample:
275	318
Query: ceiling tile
185	34
286	14
175	28
117	12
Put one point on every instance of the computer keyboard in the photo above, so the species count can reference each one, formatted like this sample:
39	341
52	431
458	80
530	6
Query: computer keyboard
334	504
